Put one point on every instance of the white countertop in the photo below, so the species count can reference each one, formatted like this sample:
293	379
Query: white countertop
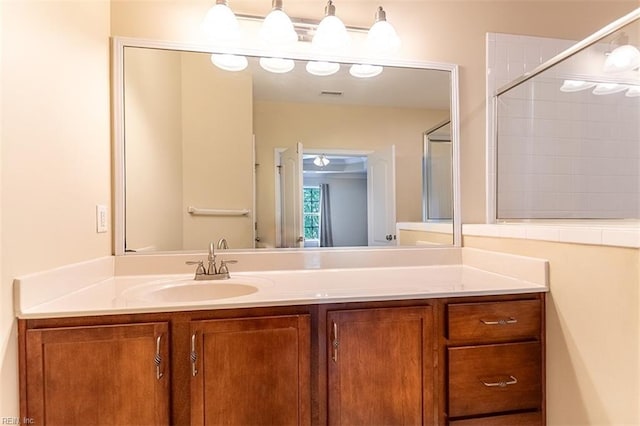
61	293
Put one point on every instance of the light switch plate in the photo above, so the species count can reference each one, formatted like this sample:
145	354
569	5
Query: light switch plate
101	218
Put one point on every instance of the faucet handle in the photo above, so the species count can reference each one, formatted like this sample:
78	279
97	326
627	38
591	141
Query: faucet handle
200	268
223	266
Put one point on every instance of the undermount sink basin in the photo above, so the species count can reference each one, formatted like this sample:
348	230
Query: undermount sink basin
194	292
188	290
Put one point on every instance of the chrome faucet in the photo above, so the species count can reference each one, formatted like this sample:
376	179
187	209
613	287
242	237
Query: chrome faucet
222	244
212	271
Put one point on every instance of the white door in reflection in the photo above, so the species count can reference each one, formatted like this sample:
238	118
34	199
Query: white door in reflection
291	197
381	195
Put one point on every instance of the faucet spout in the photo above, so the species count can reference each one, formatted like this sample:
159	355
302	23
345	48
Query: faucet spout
212	270
222	244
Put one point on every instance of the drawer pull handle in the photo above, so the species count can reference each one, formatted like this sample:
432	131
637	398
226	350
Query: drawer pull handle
502	384
510	320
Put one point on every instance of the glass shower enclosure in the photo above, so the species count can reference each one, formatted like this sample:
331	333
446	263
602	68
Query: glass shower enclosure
567	135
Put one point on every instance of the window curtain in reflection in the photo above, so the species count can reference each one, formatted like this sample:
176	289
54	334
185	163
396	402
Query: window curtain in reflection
326	233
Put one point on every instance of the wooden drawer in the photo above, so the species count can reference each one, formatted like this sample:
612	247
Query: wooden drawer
494	321
494	378
521	419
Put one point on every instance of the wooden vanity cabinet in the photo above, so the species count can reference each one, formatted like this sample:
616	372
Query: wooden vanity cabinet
251	371
99	375
459	361
380	365
232	367
494	352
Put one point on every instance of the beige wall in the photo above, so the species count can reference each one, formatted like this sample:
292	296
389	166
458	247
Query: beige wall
55	129
7	380
56	154
217	152
153	149
410	237
282	125
593	330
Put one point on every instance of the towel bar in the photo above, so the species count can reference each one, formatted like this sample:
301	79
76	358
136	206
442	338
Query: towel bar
217	212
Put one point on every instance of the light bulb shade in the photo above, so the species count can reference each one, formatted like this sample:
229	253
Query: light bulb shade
569	86
623	58
382	38
321	160
331	35
220	24
229	62
608	88
322	68
277	30
633	92
277	65
365	70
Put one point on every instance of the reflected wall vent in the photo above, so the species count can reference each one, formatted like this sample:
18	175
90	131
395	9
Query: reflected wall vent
330	93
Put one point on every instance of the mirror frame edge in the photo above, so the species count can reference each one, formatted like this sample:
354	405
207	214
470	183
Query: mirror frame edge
117	116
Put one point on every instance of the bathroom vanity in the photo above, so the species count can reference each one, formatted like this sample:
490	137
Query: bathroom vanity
458	343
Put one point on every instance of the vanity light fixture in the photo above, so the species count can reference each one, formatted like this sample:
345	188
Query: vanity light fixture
277	65
569	86
277	32
608	88
365	70
321	160
277	29
382	37
229	62
322	68
633	92
331	34
625	57
220	23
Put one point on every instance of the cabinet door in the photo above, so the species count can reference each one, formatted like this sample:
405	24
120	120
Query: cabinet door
381	366
103	375
251	371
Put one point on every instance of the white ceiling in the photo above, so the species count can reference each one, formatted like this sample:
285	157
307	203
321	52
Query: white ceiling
394	87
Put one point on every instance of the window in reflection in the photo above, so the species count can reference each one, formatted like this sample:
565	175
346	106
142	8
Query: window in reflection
311	215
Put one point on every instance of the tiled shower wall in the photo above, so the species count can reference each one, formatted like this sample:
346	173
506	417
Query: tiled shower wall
560	155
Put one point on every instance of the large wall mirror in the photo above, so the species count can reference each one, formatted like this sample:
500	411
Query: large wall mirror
273	160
